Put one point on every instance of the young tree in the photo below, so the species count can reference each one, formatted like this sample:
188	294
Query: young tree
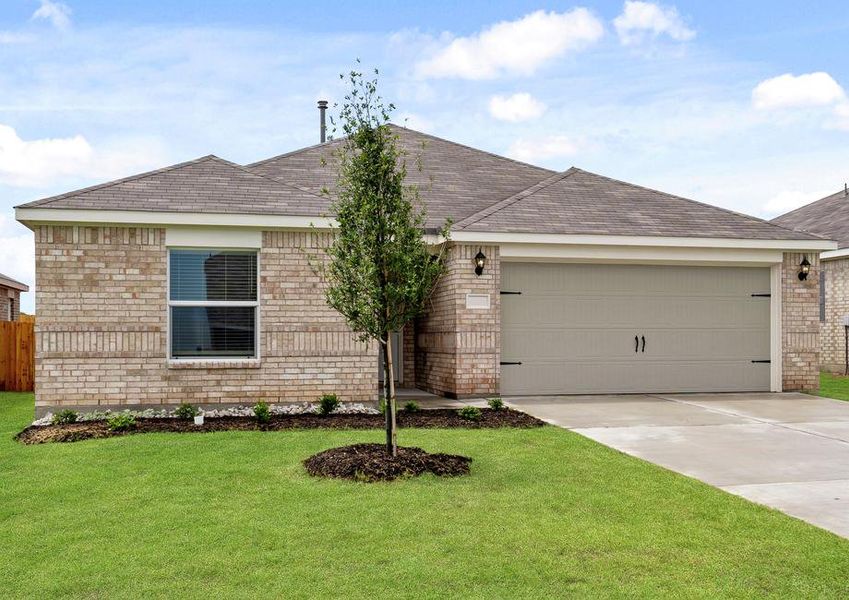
380	271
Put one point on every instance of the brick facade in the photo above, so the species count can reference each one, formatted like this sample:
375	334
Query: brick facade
457	349
102	326
832	342
800	323
11	306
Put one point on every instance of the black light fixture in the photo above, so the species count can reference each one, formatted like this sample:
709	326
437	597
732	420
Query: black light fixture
480	262
804	269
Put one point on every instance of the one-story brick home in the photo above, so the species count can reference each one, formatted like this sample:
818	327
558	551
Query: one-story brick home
10	298
829	217
193	283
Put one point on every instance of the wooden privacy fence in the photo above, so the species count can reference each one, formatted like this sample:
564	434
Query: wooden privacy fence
17	356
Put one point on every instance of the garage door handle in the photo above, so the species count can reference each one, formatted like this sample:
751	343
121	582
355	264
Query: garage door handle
644	343
636	343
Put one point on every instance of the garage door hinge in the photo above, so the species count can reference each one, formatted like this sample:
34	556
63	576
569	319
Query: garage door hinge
510	293
762	361
509	363
761	295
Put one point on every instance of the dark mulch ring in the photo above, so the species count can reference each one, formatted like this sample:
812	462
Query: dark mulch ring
371	462
436	418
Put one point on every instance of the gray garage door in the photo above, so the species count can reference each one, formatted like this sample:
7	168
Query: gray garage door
585	329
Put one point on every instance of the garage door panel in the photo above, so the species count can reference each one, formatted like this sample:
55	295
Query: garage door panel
573	327
530	310
573	344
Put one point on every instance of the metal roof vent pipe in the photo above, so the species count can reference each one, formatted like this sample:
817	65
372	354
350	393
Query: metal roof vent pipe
322	109
845	190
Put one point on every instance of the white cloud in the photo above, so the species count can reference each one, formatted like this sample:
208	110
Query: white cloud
542	149
516	108
640	21
791	91
58	13
11	37
841	111
514	47
39	163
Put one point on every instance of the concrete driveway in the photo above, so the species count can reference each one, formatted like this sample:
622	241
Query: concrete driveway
787	451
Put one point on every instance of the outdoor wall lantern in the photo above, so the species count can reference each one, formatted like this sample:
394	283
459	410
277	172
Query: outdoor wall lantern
804	269
480	262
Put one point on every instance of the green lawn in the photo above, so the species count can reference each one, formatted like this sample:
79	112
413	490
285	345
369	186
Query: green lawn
834	386
545	513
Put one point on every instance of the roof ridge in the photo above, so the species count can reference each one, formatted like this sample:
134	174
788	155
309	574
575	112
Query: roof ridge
478	150
511	200
269	178
416	131
690	200
99	186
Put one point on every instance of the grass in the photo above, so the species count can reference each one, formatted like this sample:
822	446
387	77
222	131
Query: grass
545	513
834	386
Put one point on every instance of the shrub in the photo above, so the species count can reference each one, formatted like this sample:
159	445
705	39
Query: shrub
470	413
412	406
121	422
327	404
381	406
495	403
262	412
63	417
186	411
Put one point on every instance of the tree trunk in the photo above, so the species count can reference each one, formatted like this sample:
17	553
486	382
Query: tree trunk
389	397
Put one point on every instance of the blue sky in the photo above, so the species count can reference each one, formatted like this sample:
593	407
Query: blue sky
744	105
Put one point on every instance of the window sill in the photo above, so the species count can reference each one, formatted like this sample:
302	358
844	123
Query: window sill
214	363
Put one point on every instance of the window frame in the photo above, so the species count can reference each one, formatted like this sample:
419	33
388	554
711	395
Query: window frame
169	304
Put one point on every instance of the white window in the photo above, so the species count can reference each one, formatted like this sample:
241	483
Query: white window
212	304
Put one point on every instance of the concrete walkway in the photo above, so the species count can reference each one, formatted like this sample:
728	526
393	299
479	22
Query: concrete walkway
787	451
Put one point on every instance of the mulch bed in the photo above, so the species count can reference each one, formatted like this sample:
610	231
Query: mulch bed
435	418
370	463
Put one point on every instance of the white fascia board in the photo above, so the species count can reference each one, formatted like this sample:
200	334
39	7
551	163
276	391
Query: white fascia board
639	254
834	254
633	240
43	216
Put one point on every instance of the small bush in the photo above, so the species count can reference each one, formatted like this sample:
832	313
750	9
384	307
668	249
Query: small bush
121	422
262	412
327	404
470	413
186	411
412	406
63	417
495	403
381	406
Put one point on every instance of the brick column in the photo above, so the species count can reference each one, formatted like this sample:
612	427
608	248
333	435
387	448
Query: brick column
832	343
800	323
458	348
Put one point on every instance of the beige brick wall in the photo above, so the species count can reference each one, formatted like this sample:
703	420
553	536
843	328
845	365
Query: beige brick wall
11	300
832	342
800	323
458	349
102	319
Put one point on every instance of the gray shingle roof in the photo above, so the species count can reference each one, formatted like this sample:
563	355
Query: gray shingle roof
454	180
6	281
828	218
579	202
480	191
208	184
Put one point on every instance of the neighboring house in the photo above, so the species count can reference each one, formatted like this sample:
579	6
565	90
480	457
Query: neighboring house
193	283
10	298
829	218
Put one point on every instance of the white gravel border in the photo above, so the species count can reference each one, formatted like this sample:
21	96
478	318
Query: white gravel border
345	408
